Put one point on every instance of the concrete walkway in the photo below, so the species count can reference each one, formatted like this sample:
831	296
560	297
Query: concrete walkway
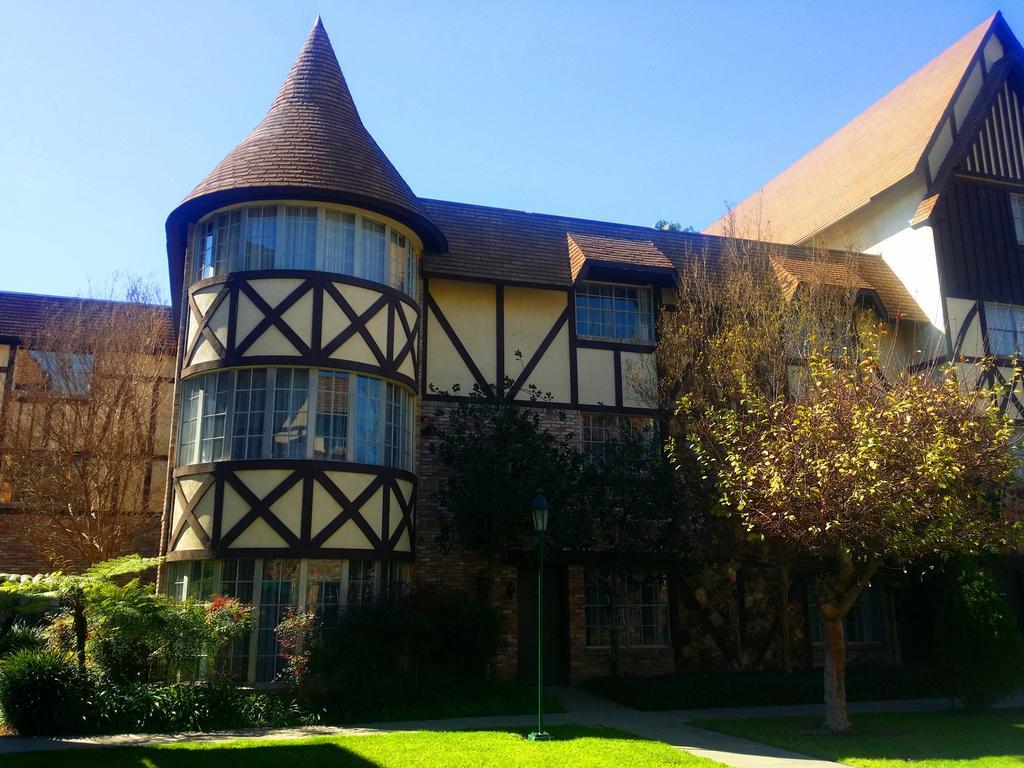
671	727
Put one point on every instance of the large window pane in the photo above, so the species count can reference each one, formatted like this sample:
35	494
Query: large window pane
188	435
1005	329
331	440
213	422
250	406
260	237
237	581
291	413
323	591
368	413
278	593
216	244
397	430
298	249
339	242
361	582
634	604
372	262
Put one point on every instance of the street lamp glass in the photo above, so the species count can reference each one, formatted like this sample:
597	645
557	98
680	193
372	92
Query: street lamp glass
539	509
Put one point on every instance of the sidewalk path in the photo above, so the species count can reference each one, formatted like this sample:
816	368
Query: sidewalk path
671	727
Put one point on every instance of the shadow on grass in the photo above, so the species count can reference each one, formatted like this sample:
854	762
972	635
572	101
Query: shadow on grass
914	737
422	748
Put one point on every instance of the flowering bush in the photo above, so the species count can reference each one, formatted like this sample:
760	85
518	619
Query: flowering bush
296	635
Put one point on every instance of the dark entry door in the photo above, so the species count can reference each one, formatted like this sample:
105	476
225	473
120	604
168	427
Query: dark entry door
556	624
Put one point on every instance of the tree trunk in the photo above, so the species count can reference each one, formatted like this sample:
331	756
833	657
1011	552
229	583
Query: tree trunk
784	628
837	719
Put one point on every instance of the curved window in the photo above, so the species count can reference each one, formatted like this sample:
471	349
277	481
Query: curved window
295	413
263	237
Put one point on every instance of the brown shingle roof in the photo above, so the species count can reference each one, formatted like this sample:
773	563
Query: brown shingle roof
312	136
875	150
312	145
22	315
497	244
622	251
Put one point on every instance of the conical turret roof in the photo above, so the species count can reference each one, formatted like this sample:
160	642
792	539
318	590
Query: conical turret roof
312	144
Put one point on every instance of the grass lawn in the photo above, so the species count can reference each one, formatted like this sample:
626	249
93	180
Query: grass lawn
898	740
574	747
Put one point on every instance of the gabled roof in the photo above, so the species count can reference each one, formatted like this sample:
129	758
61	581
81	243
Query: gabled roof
23	315
880	147
520	248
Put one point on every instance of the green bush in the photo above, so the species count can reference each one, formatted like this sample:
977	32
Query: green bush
978	644
386	658
43	693
20	636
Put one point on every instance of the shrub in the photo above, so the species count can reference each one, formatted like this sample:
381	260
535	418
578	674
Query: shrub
978	644
43	693
20	636
382	658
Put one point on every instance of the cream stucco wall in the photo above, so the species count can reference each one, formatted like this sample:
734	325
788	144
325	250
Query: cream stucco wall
882	228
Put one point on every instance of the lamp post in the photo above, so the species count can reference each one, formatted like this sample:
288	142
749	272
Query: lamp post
539	510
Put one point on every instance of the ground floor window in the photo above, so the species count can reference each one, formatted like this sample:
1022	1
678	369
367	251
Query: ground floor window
633	605
864	623
275	586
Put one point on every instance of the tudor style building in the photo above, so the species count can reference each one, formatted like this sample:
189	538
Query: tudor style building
325	314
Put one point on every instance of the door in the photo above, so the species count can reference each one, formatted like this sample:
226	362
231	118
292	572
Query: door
556	624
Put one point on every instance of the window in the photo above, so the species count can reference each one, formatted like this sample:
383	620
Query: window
65	373
190	579
237	581
204	407
1017	209
340	242
258	413
250	404
637	603
260	239
298	249
600	433
291	411
863	623
372	258
323	592
394	579
612	311
331	416
304	237
368	420
278	594
361	582
1005	329
216	244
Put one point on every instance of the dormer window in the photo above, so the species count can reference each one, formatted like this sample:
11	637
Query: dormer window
615	312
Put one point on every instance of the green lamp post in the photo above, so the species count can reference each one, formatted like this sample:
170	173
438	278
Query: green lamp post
539	510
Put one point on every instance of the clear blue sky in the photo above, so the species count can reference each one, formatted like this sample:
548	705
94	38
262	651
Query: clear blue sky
630	112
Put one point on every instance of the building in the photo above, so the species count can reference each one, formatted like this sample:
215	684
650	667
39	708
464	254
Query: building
324	313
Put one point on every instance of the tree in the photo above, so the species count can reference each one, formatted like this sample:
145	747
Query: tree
78	444
858	471
744	317
497	453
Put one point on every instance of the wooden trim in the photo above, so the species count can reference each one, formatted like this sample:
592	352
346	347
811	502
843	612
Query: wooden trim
540	286
499	339
438	397
616	346
307	275
574	345
305	543
293	553
617	373
284	361
539	353
453	337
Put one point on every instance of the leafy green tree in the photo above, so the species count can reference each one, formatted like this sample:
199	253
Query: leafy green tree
856	472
